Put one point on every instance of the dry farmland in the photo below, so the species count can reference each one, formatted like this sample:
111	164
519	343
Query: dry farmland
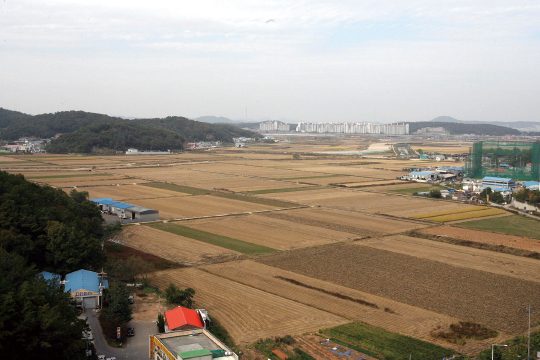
249	314
173	247
351	222
274	233
200	205
514	241
483	297
130	192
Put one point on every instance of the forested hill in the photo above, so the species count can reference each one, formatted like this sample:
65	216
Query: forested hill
89	131
460	128
119	135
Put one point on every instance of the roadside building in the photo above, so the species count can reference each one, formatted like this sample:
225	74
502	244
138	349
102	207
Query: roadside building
182	318
197	344
86	288
498	182
531	185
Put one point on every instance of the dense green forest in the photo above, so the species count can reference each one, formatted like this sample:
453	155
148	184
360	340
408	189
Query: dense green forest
118	135
460	128
90	131
42	228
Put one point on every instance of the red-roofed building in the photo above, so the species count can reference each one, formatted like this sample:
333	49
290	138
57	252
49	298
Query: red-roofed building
182	318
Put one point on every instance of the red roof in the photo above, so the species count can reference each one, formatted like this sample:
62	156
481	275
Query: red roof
182	316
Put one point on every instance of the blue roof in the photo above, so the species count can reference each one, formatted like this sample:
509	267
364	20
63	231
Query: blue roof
82	279
489	178
501	189
105	283
122	205
531	183
420	173
104	201
49	276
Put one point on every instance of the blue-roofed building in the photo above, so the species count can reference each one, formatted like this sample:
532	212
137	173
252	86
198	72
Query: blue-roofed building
531	185
119	208
104	203
86	287
49	276
497	182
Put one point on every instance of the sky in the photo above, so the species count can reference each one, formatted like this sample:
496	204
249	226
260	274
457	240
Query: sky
311	61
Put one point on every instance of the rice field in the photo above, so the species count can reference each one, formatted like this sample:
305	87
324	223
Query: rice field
462	214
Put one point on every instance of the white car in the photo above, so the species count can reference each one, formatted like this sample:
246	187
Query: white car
101	357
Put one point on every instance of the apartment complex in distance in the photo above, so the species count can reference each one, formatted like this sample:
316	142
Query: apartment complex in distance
353	128
274	126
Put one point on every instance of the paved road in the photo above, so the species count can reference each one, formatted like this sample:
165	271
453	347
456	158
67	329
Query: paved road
137	346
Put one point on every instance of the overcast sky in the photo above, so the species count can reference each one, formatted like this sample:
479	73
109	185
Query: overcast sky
300	60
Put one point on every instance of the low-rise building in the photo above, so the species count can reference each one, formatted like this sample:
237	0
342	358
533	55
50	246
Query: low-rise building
421	176
498	182
86	288
181	318
197	344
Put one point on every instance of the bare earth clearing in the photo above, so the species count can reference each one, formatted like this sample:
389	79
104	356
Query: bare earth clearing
482	297
173	247
518	242
266	231
250	314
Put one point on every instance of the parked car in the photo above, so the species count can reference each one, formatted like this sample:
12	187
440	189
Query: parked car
130	332
101	357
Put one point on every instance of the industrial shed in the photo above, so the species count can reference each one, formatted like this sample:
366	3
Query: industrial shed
141	213
86	287
104	203
119	209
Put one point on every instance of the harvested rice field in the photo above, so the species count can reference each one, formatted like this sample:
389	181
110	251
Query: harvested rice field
271	232
490	299
199	205
368	202
206	180
351	304
130	192
89	181
513	241
461	256
351	222
461	214
250	313
172	247
248	170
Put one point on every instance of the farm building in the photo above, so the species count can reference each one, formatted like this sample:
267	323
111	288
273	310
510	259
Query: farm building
86	288
497	182
531	185
182	318
104	203
49	276
197	344
127	211
422	176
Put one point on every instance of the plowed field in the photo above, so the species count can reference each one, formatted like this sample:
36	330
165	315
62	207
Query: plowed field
462	256
249	313
518	242
274	233
173	247
486	298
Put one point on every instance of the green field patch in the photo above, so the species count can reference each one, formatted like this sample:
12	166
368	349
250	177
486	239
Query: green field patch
388	345
513	225
214	239
272	191
62	176
314	177
179	188
418	189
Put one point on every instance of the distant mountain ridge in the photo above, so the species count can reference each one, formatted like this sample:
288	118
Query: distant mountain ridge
459	128
519	125
113	132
